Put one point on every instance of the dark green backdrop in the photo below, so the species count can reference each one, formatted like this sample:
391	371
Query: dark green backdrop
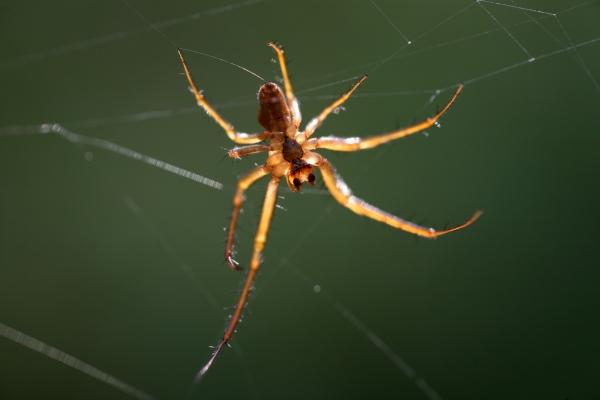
120	264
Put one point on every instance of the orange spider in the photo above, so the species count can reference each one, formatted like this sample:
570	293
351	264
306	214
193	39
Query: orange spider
291	155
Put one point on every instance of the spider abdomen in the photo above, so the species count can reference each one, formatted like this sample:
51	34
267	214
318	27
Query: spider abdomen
274	114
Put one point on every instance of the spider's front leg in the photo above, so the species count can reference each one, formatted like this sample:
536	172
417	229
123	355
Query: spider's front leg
342	193
259	244
238	199
287	84
237	137
316	122
357	143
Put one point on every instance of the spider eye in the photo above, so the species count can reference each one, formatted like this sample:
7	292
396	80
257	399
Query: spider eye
311	178
296	182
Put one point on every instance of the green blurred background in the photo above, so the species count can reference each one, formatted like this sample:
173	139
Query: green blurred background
120	264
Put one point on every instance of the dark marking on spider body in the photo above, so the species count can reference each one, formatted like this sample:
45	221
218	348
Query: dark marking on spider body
300	171
291	150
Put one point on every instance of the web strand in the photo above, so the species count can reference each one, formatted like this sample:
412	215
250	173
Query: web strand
169	113
113	148
517	7
226	62
177	47
116	36
525	11
160	114
398	361
168	249
510	35
390	22
58	355
522	63
370	335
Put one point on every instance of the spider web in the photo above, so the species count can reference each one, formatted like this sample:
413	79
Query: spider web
112	266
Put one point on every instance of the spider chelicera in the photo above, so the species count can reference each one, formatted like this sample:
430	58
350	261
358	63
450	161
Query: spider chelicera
291	156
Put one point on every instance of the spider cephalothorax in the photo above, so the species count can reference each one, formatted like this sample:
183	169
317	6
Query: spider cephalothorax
291	155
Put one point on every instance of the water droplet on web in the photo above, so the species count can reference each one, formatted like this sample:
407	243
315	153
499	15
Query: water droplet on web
88	155
274	61
437	124
426	134
317	289
45	128
339	109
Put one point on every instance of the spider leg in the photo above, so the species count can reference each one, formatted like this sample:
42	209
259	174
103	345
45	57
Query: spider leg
243	151
259	245
237	137
238	199
289	93
314	123
356	143
342	193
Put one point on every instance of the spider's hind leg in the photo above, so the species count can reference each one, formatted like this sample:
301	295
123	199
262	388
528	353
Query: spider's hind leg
342	193
259	244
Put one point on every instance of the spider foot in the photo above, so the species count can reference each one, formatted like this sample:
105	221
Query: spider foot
234	153
200	374
231	263
275	45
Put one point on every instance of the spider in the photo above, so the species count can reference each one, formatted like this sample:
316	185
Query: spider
291	156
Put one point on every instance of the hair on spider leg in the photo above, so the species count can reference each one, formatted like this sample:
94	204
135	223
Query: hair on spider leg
232	307
217	349
226	155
